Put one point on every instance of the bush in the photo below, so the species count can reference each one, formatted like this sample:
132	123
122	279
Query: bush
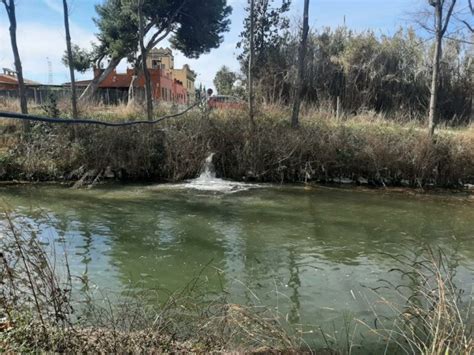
323	150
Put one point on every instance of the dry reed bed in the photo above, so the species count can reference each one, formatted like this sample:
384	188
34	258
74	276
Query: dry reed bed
364	149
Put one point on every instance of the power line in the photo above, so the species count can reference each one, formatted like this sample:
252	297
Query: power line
24	117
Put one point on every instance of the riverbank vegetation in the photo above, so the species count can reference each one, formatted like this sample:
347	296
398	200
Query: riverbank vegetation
46	308
363	149
366	102
364	105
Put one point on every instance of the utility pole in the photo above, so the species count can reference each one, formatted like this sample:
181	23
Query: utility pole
70	60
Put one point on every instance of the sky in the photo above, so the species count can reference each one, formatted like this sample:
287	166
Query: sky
41	36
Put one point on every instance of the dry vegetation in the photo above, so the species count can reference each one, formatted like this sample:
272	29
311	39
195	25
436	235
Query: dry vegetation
432	316
41	310
366	148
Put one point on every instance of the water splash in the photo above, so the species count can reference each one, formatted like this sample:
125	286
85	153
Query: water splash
207	181
208	171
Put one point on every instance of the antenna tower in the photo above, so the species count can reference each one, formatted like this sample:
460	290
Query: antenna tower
50	71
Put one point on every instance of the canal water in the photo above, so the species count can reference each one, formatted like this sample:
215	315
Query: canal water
311	255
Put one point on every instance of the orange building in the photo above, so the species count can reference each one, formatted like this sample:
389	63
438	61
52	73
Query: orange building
164	87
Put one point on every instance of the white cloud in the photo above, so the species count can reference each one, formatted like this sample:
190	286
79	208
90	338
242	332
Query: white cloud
36	42
54	5
236	2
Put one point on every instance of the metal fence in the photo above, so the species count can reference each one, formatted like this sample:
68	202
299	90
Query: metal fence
42	95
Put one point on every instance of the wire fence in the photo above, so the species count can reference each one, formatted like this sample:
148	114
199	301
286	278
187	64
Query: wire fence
42	94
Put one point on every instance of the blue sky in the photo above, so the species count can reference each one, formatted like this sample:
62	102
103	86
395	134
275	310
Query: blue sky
41	32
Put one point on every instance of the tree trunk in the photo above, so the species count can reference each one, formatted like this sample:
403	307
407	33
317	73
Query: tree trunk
131	90
10	8
70	60
433	112
146	73
93	86
301	64
251	98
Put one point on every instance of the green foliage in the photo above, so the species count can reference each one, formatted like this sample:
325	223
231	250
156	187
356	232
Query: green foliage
224	81
82	59
271	32
118	31
195	27
199	25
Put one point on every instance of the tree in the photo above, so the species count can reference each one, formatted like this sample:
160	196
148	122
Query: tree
265	27
441	20
70	60
270	31
301	66
251	59
10	8
146	73
193	27
224	81
117	37
81	58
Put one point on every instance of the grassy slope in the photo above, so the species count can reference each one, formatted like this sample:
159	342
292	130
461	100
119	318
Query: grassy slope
361	148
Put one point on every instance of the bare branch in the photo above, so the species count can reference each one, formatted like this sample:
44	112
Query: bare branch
448	16
460	40
469	27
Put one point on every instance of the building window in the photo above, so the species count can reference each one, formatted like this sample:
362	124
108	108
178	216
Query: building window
154	64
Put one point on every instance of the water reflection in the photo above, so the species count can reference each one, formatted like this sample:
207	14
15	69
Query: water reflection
308	254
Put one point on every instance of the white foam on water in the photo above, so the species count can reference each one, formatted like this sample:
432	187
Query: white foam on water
207	181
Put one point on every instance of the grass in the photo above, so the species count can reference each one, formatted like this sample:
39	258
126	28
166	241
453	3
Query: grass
431	317
367	148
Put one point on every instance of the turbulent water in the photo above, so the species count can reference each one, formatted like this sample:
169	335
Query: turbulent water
208	181
310	255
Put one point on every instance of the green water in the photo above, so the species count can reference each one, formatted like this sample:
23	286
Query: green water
309	255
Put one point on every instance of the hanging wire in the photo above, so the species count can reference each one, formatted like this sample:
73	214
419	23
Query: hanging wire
24	117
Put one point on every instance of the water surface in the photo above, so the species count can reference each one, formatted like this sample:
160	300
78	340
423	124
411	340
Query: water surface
308	254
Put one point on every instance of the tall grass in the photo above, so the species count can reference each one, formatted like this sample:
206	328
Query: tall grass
434	316
363	148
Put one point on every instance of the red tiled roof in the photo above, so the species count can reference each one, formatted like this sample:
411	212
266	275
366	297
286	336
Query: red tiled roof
118	81
12	80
